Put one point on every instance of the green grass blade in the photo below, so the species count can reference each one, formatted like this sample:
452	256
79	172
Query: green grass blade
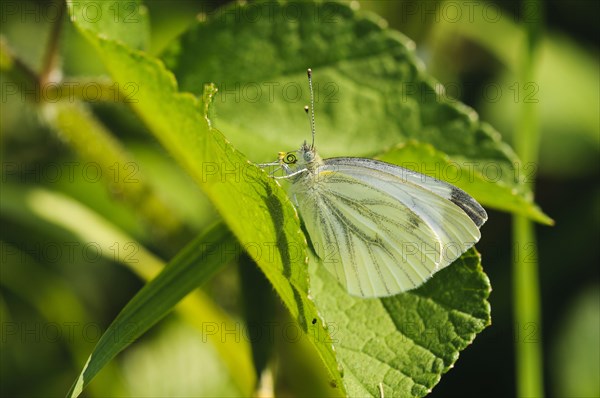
57	214
195	264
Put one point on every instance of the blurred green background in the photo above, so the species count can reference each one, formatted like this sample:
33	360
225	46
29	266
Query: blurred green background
53	308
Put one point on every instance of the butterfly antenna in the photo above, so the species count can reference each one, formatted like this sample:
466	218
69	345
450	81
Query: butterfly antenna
312	107
306	110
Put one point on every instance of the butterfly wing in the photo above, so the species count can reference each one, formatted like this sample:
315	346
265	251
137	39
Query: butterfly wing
438	187
381	229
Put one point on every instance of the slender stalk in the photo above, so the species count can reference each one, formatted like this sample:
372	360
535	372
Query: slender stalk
527	302
52	56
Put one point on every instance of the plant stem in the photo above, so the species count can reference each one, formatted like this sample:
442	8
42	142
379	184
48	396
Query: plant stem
527	310
527	302
51	57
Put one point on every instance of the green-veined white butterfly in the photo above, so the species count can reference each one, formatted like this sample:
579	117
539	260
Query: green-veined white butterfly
380	229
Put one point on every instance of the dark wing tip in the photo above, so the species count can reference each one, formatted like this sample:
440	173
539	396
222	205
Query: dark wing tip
469	206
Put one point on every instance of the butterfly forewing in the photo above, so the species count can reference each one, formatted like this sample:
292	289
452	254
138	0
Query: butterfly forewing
440	188
450	212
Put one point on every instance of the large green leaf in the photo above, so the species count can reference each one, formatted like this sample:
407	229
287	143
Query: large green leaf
256	210
371	90
405	342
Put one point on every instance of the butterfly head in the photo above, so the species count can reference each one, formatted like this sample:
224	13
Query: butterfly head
308	152
303	157
308	157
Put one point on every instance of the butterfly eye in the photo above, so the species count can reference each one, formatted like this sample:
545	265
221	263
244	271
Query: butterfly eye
309	156
290	158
